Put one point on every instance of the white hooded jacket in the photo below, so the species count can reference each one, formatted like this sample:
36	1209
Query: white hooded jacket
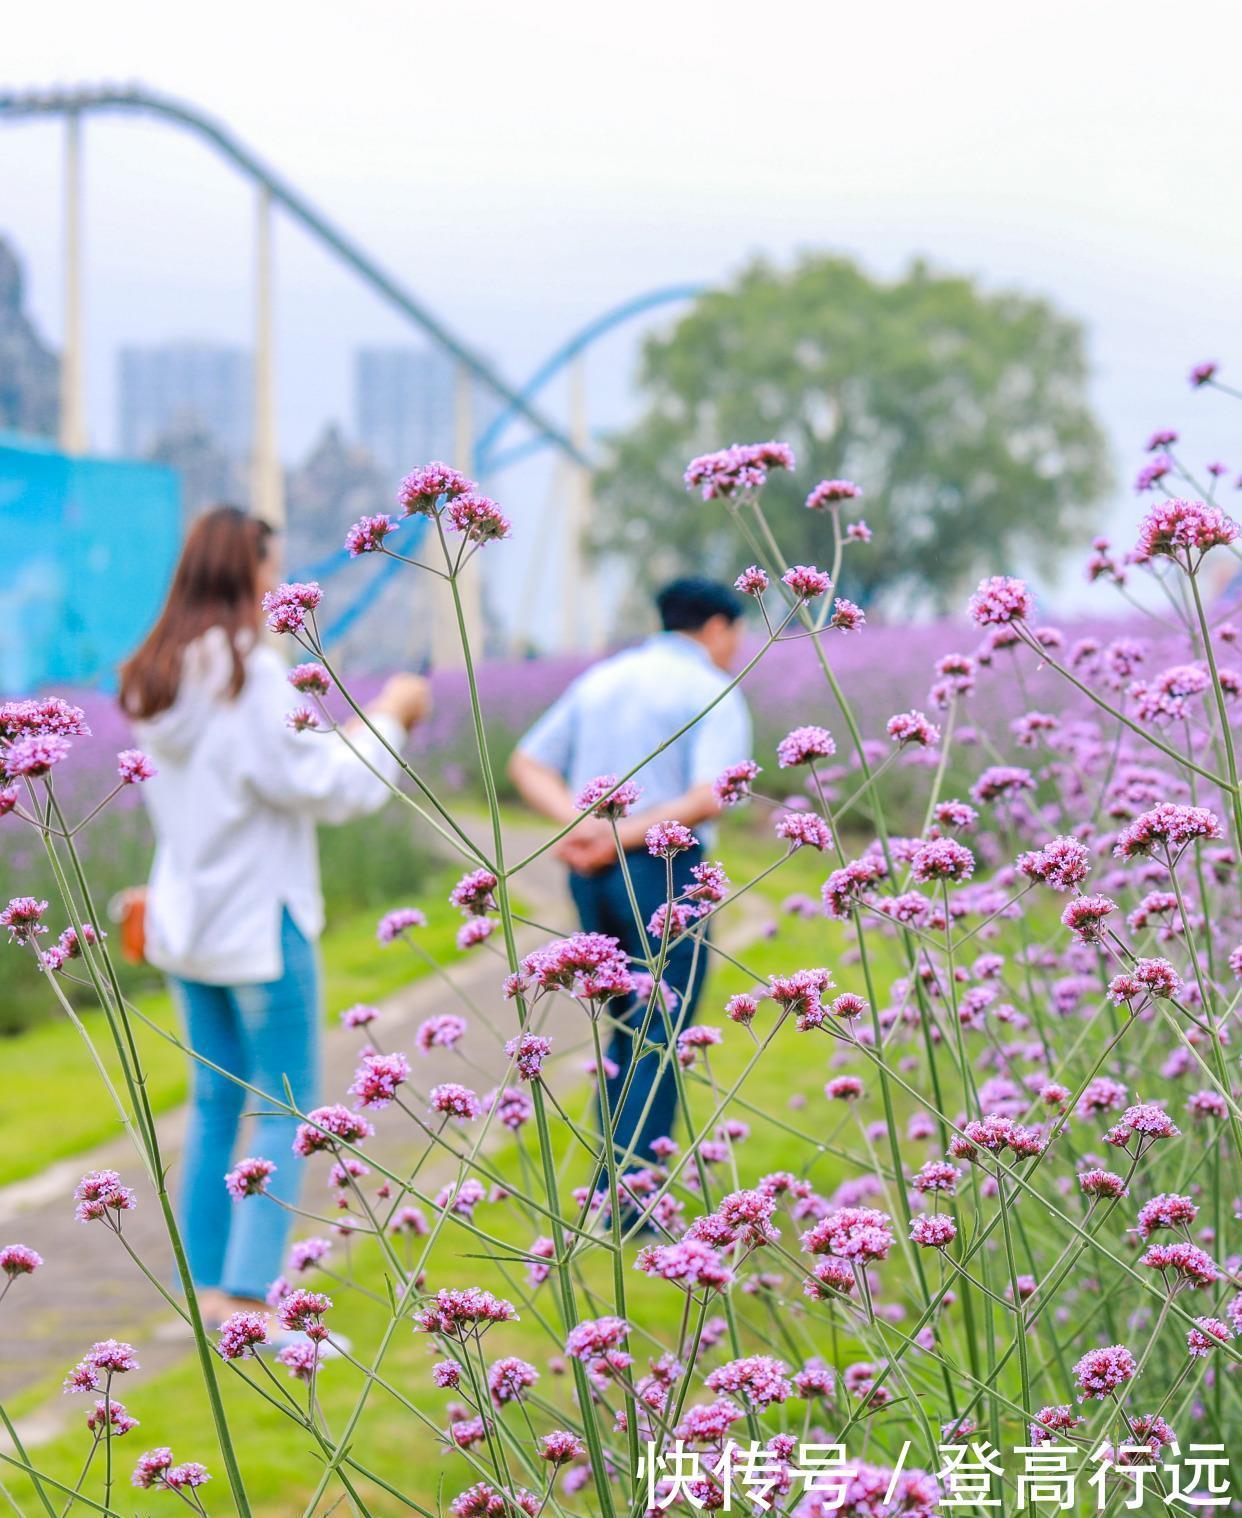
234	808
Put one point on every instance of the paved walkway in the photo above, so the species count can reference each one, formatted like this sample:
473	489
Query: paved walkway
89	1289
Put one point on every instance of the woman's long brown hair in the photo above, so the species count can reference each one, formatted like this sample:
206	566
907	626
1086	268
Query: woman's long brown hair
216	584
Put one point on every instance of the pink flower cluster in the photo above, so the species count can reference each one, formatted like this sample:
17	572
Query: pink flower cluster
378	1078
831	493
397	923
288	606
741	469
804	745
999	601
100	1192
733	785
424	490
851	1233
664	839
589	966
368	534
326	1125
472	894
459	1312
607	797
1185	530
1062	864
249	1177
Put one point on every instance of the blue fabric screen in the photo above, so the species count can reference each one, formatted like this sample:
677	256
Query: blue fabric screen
87	548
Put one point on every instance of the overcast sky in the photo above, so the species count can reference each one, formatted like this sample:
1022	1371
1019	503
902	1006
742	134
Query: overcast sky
523	167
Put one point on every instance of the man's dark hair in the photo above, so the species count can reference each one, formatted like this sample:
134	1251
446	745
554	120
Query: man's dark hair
687	603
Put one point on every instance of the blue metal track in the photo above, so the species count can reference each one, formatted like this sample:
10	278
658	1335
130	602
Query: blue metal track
15	106
519	405
569	350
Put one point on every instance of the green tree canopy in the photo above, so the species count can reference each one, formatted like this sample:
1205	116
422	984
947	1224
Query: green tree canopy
962	415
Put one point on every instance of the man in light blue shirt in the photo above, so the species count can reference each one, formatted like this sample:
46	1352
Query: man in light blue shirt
611	719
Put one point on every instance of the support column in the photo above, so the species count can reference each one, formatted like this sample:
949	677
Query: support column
267	484
582	624
72	407
446	649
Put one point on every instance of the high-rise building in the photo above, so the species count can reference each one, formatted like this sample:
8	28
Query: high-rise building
404	406
176	385
337	482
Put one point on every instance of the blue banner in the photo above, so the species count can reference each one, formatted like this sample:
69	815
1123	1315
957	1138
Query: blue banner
87	549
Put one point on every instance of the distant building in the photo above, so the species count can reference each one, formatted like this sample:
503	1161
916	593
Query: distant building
335	484
210	476
186	386
29	370
404	407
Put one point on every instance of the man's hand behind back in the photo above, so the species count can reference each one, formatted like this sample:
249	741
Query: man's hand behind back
590	848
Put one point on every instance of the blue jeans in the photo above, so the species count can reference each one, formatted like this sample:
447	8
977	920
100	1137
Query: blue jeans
265	1034
604	907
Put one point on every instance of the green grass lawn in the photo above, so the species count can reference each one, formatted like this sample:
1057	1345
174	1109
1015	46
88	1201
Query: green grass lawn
393	1440
35	1132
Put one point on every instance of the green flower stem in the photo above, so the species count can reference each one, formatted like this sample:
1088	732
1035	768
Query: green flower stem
1145	733
135	1080
1222	713
608	1145
599	1469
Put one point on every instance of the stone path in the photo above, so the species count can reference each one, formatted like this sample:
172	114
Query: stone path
89	1289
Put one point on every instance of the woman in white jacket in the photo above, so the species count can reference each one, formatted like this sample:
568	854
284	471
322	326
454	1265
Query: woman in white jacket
234	906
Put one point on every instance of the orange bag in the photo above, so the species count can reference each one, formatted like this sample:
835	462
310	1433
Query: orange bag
129	910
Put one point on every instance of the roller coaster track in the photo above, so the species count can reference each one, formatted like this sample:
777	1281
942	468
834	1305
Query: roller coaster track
135	100
517	405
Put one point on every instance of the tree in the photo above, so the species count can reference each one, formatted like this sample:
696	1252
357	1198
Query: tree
962	415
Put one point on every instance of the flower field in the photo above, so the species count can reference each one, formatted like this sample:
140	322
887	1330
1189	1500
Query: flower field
951	1220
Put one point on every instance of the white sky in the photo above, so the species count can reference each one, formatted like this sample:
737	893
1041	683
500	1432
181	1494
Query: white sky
523	167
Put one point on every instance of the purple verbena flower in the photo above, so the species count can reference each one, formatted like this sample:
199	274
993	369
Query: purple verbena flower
607	797
33	755
830	493
23	917
133	766
478	519
401	920
807	582
999	601
751	582
664	839
740	469
288	606
368	533
803	745
241	1333
423	490
1101	1373
19	1260
249	1177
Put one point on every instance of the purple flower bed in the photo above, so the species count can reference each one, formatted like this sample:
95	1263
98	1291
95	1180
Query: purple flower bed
950	1222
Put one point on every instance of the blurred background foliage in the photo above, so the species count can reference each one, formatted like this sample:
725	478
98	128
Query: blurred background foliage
962	412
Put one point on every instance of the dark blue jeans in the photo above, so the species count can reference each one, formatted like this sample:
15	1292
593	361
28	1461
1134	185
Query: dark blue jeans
604	907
